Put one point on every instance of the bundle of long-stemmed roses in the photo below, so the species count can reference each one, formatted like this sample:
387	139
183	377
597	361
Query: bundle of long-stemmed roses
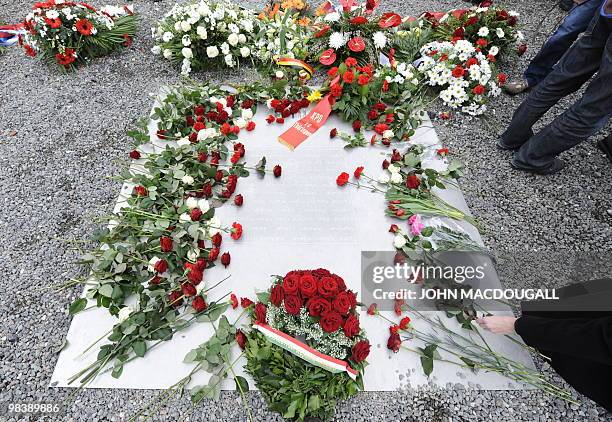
69	34
306	349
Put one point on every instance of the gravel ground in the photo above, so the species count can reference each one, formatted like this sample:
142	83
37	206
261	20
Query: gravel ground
62	137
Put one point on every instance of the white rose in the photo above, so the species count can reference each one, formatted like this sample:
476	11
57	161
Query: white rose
202	135
167	53
202	32
388	134
193	254
483	32
247	113
203	205
396	178
214	225
383	178
191	203
242	39
124	313
212	52
184	217
229	60
245	51
232	39
399	241
183	141
152	263
167	37
187	53
187	179
185	26
393	168
240	122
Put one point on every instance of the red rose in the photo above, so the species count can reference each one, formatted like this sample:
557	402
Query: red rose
373	114
175	299
308	285
501	78
521	49
293	304
155	280
278	170
372	309
342	179
404	323
330	321
260	313
270	119
512	20
363	80
350	62
233	301
238	200
328	286
413	181
165	243
360	351
390	20
394	342
291	284
199	304
342	303
351	326
459	32
161	266
356	44
195	276
486	3
134	155
245	302
357	125
333	133
207	190
277	294
478	90
336	90
318	306
195	214
213	254
216	239
358	171
236	231
348	77
241	339
250	126
226	259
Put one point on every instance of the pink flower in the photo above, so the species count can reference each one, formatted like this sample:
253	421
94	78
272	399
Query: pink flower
416	225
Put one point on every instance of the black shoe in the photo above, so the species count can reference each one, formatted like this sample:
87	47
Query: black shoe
566	5
556	166
501	145
605	145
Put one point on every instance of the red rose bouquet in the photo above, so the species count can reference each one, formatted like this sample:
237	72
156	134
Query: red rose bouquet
306	349
69	33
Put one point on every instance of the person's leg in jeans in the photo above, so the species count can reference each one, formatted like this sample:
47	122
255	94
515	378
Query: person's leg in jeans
575	68
575	23
579	122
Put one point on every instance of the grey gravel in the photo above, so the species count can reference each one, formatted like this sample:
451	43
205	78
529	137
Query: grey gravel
63	136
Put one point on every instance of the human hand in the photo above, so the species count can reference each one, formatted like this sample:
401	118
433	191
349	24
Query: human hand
497	324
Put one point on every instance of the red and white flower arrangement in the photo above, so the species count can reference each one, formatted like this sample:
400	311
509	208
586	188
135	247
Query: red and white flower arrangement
69	34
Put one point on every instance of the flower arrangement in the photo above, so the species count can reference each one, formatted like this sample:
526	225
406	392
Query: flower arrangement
465	75
352	31
200	34
306	349
493	29
69	34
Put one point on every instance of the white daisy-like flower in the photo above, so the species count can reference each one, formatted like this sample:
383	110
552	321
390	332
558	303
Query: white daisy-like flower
483	31
167	53
156	50
500	33
380	40
494	50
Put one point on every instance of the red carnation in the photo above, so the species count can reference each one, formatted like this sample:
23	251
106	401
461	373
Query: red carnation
236	231
350	62
351	326
84	26
458	72
342	179
336	90
332	72
328	287
358	172
363	80
358	20
260	313
241	339
412	181
442	152
360	351
459	32
277	295
478	90
318	306
380	128
270	119
291	284
293	304
348	77
226	259
29	50
394	342
373	114
501	78
166	243
188	290
482	42
278	170
330	321
161	266
308	285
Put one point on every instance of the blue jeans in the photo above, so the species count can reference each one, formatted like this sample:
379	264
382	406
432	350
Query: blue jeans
575	23
590	54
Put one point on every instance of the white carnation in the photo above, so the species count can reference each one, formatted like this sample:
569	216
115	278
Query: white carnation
500	33
187	179
483	32
380	40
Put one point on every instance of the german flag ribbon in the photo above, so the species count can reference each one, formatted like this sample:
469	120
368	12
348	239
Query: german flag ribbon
296	64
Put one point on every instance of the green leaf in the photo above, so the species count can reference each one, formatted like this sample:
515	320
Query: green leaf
140	348
427	364
106	290
77	306
241	384
191	356
263	297
290	413
117	371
